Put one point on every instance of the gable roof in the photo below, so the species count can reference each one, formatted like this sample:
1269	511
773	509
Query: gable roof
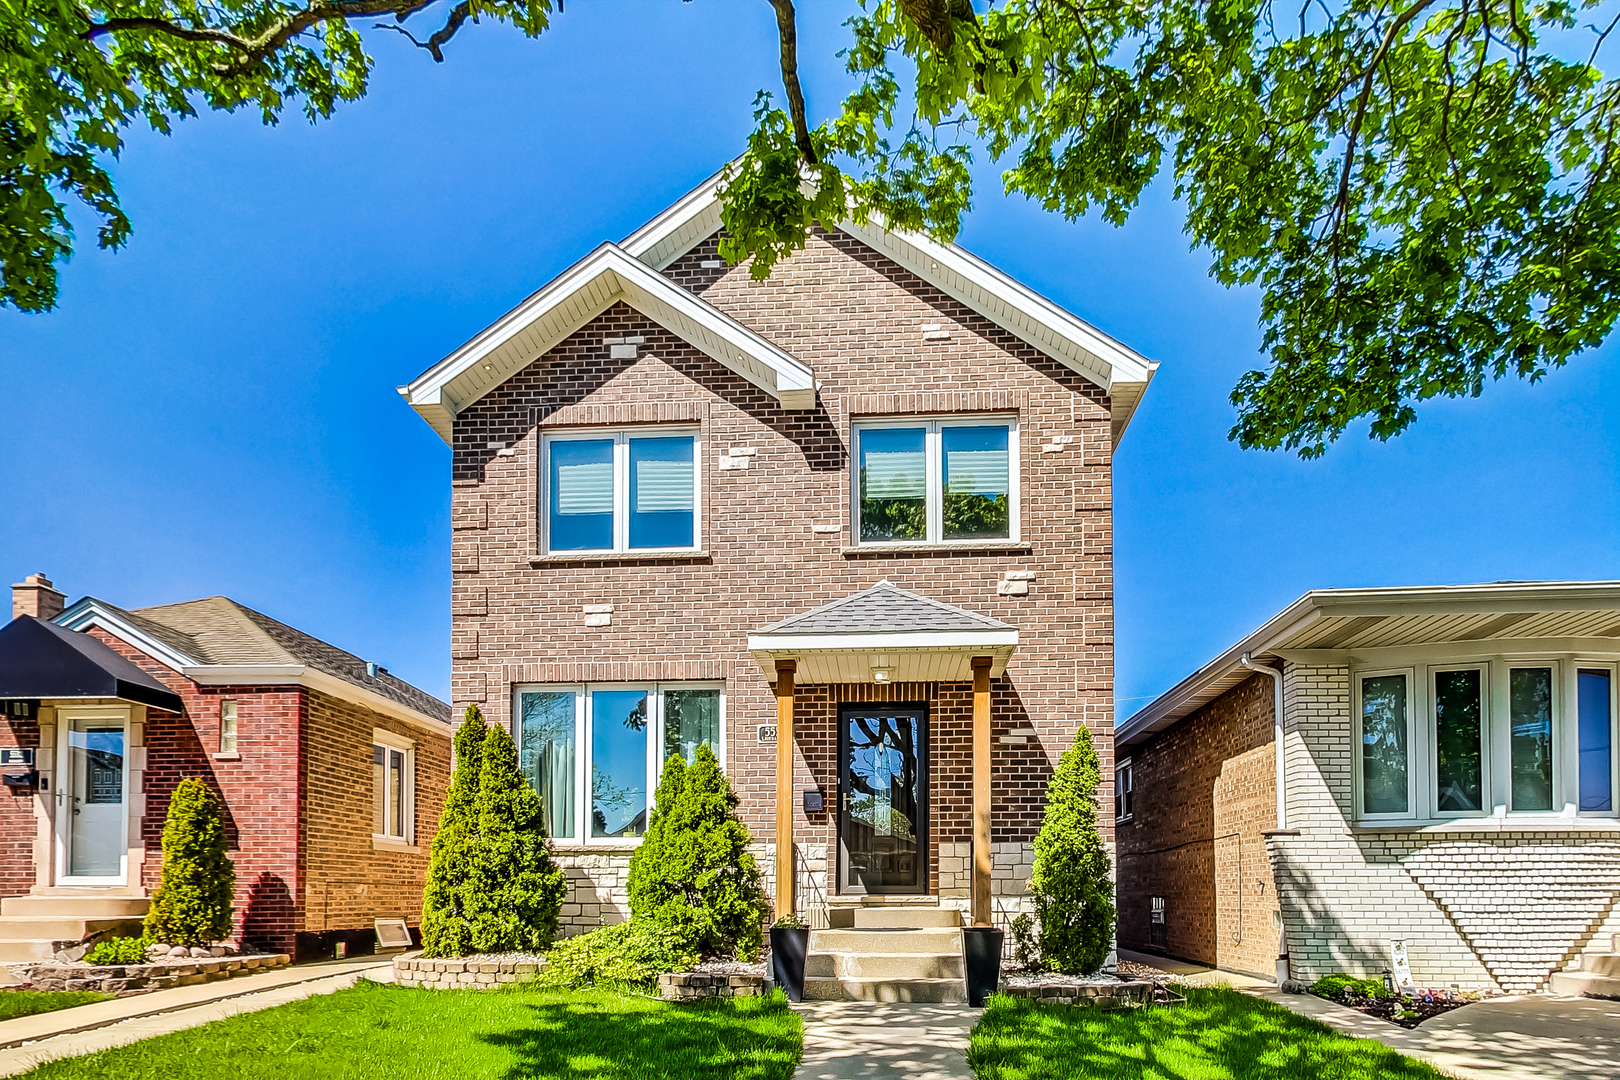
575	297
885	608
40	660
1332	626
1015	307
217	641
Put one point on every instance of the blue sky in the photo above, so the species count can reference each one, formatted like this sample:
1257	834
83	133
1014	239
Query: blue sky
212	410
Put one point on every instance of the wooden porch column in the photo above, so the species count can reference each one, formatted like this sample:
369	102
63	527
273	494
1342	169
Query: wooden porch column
981	790
784	786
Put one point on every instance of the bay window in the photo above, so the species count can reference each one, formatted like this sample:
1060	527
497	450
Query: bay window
936	481
618	491
619	736
1485	738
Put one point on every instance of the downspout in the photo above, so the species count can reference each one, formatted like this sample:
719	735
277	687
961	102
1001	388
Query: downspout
1282	794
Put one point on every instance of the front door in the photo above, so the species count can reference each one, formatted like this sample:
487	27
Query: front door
92	822
883	817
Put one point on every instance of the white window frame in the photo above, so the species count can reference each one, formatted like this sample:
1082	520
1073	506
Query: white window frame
1502	734
1124	782
584	723
1429	781
1572	740
934	472
621	485
389	740
1415	754
235	750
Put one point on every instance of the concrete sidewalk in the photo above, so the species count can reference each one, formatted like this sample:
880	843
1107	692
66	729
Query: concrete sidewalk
885	1041
1196	974
29	1041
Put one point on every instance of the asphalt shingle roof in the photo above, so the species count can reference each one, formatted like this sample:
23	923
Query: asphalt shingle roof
218	630
885	608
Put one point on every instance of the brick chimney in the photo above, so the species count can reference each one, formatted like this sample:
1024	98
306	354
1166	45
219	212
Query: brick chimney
36	596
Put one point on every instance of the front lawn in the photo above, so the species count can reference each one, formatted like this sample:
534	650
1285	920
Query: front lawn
1219	1034
15	1003
389	1032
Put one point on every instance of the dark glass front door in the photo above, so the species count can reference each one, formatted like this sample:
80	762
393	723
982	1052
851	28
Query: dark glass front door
883	819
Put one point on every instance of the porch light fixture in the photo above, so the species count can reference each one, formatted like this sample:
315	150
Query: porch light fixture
880	674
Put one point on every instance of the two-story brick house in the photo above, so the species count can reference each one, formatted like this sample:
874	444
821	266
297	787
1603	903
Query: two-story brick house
850	524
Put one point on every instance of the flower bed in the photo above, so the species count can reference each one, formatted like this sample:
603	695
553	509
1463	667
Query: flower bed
483	972
126	980
1370	996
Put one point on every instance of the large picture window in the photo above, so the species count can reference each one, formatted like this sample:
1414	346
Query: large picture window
1384	740
621	491
618	736
1459	711
936	481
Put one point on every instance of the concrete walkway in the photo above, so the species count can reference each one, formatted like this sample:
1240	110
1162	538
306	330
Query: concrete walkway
1196	974
847	1039
29	1041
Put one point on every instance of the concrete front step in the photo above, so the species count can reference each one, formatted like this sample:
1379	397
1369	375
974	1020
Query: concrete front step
24	939
932	941
883	966
891	918
1579	983
74	905
1600	964
923	990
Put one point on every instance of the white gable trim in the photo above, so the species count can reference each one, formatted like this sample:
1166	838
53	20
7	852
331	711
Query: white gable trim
574	298
1073	342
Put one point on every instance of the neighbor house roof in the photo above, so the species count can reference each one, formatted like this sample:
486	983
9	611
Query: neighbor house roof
216	641
1331	626
630	271
908	636
42	661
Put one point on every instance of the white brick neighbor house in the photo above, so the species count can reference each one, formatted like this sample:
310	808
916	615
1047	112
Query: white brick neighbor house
1448	780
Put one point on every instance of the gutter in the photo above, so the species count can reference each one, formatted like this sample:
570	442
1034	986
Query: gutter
1282	795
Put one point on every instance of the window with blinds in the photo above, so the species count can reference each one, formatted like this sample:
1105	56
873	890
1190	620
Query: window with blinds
621	491
939	481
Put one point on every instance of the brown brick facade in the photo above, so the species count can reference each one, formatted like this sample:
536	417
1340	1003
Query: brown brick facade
857	319
1205	792
17	828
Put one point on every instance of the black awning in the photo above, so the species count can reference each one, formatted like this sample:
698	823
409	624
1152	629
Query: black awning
40	660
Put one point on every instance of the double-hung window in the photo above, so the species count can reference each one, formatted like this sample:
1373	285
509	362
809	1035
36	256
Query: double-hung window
1124	790
936	481
1476	738
393	785
620	491
618	736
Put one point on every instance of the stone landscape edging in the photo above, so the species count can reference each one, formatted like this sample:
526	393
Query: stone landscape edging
699	986
1086	995
463	972
126	980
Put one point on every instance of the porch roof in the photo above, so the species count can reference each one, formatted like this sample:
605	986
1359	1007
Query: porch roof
43	661
884	634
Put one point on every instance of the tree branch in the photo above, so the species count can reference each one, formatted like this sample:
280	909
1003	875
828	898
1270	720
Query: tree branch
458	15
790	78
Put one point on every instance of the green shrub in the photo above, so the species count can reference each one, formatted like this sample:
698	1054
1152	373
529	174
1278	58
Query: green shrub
513	890
193	902
1074	896
446	930
631	954
1026	947
118	950
1339	987
693	870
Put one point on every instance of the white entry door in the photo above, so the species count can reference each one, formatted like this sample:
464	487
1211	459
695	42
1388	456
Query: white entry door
93	800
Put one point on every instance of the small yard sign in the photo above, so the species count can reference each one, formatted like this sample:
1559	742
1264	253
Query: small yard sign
1402	971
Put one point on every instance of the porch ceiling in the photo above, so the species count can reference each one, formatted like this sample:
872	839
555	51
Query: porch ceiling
884	634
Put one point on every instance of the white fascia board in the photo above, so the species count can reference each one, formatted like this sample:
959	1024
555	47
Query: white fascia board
956	641
571	300
87	613
237	674
311	679
333	686
692	219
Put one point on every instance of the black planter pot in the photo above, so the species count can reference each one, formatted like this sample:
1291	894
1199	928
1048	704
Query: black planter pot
788	949
981	959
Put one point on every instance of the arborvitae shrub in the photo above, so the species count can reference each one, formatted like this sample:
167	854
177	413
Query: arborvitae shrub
192	904
514	890
446	930
693	871
1074	896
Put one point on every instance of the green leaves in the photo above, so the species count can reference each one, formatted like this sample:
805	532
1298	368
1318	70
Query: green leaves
1425	194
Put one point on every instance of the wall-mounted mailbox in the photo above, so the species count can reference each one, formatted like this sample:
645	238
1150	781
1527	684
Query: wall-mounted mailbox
20	782
19	708
16	755
812	801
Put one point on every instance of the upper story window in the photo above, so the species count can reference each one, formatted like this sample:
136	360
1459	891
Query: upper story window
1124	790
1475	739
633	490
619	735
936	481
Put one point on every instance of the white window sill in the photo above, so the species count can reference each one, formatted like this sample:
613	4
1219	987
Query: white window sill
638	555
600	847
960	547
227	757
1538	823
394	843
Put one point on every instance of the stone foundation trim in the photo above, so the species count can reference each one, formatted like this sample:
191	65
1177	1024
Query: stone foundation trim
697	986
1099	996
127	980
464	973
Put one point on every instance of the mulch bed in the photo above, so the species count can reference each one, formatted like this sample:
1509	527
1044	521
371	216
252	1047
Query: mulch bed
1427	1004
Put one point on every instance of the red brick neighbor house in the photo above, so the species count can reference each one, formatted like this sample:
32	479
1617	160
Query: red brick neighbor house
1447	782
332	772
851	525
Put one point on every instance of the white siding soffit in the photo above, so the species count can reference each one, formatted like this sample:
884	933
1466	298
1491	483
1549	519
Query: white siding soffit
574	298
1327	625
1073	342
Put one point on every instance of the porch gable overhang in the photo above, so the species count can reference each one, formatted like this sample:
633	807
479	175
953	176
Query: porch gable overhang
40	661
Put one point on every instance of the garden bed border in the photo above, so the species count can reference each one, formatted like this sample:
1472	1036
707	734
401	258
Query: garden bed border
463	972
126	980
1087	995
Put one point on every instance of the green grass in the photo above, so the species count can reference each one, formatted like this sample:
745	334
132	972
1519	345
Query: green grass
398	1033
1218	1035
15	1003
